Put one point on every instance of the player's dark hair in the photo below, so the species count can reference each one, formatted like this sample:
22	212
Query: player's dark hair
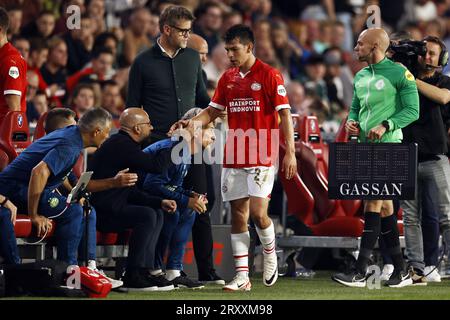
241	32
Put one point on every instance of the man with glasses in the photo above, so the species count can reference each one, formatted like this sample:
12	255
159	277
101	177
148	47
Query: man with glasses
167	78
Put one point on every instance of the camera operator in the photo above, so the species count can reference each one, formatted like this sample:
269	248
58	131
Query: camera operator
421	216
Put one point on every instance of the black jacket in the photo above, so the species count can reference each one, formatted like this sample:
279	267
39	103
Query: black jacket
166	87
119	152
429	130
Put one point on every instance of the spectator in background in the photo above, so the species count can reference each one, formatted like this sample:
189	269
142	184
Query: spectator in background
135	39
61	23
40	103
230	19
296	96
96	10
153	29
335	85
32	87
23	45
83	99
15	20
262	29
325	36
100	70
79	44
335	56
287	51
42	28
209	23
108	40
112	100
314	77
218	63
38	56
54	70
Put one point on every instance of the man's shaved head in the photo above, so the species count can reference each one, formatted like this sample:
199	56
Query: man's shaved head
132	117
372	45
199	44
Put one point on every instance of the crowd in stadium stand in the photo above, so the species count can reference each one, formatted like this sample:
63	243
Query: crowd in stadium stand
310	42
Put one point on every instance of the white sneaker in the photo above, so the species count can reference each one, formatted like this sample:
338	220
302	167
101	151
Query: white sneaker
115	283
388	269
432	274
239	283
270	274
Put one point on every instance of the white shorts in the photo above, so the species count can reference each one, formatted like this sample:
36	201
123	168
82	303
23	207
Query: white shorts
239	183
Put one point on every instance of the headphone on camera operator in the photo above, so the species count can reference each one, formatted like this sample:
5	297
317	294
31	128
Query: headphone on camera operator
443	56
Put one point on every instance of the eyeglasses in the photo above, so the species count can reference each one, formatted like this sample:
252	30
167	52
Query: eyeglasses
146	123
183	32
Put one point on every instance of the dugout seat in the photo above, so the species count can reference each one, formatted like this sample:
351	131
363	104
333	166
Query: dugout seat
39	131
14	134
311	135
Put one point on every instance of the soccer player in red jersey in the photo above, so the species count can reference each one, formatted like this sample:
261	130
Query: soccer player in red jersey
13	73
254	96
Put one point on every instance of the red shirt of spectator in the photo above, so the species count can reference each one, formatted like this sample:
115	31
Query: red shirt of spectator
252	101
13	77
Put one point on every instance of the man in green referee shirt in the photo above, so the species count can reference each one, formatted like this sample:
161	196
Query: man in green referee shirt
385	99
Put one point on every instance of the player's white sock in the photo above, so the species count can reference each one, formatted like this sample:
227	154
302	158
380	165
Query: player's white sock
240	242
172	274
267	238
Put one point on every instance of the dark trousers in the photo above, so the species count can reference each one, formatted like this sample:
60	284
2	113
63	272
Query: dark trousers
8	244
146	224
202	241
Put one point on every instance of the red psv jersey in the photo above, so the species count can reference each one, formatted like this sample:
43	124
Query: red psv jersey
13	77
252	101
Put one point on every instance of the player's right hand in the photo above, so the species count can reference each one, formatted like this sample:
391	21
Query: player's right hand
180	124
125	179
42	224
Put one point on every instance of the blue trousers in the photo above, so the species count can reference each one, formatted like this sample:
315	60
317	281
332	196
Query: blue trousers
174	235
8	244
69	225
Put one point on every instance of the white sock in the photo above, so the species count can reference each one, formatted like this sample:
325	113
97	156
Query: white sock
267	238
156	272
172	274
92	264
240	242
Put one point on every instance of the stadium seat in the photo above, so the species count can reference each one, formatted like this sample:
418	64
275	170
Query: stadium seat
39	131
24	228
14	134
300	200
311	135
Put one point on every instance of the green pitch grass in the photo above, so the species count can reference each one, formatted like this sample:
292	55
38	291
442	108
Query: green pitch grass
320	287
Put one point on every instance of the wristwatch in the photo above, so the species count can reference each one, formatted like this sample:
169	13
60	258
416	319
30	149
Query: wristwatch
385	124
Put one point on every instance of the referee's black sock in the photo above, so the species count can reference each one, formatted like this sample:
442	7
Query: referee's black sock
368	239
389	232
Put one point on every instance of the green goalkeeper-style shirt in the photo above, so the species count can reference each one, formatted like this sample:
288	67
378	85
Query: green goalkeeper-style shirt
384	91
